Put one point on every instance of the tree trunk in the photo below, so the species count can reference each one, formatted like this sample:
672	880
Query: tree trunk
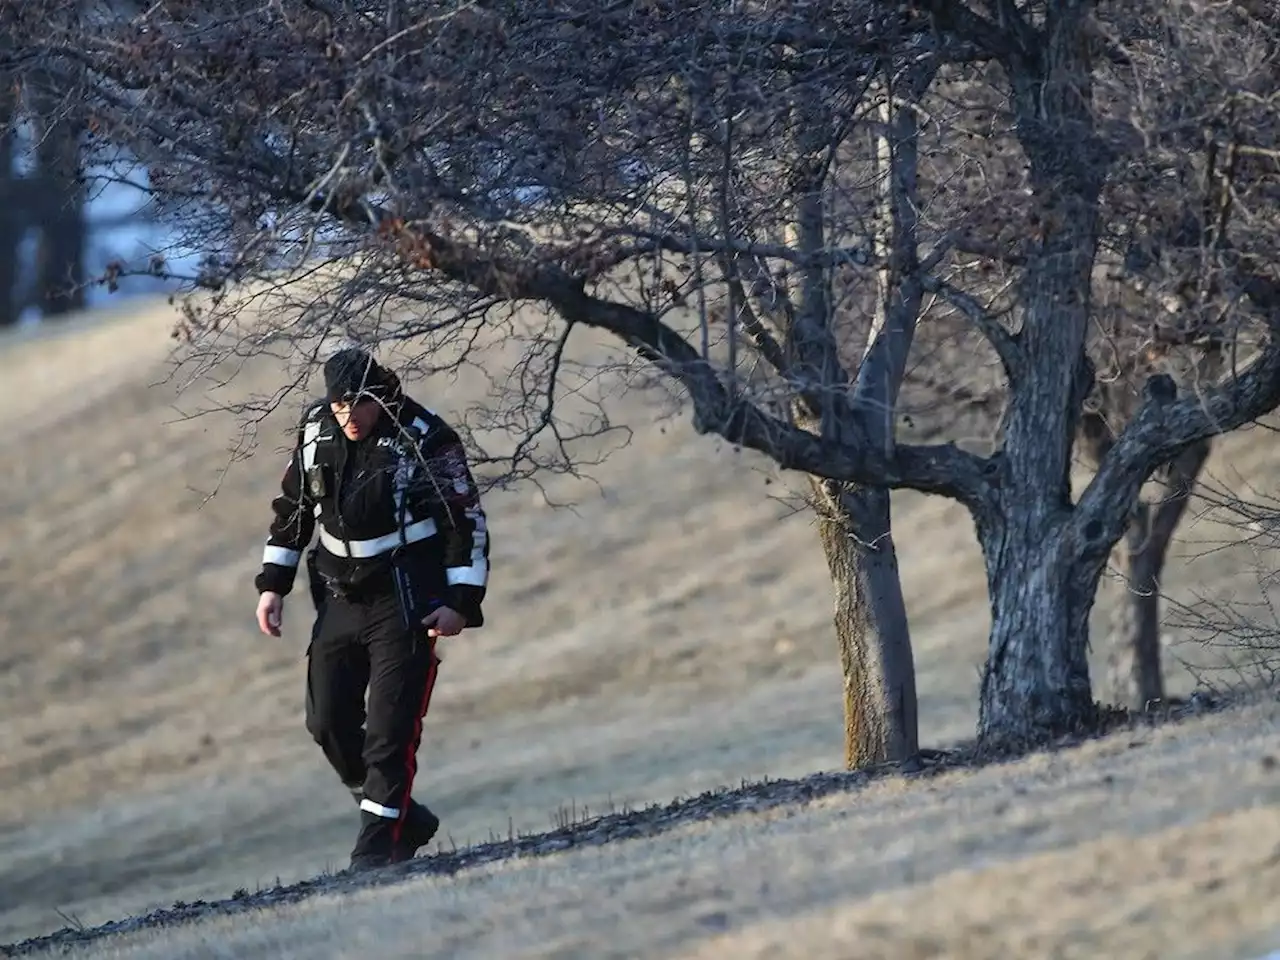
871	625
1042	570
11	223
1134	670
10	238
61	253
854	524
61	275
1036	682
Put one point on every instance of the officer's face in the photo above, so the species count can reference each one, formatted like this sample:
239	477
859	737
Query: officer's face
358	419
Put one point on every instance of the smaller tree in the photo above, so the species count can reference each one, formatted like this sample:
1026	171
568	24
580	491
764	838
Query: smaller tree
854	521
1135	675
1180	269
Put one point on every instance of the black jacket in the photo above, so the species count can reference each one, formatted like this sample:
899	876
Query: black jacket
354	491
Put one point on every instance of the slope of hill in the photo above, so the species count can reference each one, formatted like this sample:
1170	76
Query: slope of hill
668	635
1027	859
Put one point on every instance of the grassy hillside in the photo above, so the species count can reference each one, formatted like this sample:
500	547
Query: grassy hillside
668	634
1156	842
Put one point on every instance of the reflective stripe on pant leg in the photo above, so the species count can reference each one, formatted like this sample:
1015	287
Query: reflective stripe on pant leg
401	668
378	810
411	751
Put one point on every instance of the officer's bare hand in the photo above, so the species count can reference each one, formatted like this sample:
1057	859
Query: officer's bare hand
444	622
270	612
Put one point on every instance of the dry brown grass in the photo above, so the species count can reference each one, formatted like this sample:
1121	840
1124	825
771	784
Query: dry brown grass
1161	844
670	635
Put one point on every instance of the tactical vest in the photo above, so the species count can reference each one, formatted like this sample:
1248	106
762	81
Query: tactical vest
321	441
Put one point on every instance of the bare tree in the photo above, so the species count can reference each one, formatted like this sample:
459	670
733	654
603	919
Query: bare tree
61	199
11	223
1129	353
1174	307
1136	673
687	179
880	704
48	199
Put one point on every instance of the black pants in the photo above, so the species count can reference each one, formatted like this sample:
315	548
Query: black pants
360	646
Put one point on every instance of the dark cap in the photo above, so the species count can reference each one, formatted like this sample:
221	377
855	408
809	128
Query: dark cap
352	373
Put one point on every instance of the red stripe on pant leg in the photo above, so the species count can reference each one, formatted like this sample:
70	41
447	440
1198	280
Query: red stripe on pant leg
411	752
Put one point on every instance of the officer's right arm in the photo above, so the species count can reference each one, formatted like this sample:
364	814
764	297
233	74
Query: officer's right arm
292	524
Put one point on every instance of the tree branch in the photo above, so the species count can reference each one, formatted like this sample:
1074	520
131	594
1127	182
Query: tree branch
942	469
955	18
1164	426
758	335
1004	342
648	243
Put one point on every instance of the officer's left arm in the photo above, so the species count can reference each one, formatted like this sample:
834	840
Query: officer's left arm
462	522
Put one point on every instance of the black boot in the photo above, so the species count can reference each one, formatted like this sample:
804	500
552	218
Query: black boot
419	827
375	844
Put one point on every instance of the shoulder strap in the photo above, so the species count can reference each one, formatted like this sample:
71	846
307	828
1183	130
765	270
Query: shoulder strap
310	440
318	424
405	464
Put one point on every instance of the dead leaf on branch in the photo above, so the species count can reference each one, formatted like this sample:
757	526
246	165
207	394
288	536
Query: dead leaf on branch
413	248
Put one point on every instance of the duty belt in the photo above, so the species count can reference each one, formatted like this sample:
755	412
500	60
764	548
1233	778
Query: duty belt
371	548
380	585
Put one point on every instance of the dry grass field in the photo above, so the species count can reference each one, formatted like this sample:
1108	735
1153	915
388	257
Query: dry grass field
669	634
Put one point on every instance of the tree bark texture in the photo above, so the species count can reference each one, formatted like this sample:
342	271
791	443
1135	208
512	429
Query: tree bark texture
1134	660
1036	682
880	721
1041	577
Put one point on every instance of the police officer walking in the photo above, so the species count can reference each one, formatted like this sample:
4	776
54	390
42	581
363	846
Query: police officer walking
402	559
